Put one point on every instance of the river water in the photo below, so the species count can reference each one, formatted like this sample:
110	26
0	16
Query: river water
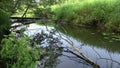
104	52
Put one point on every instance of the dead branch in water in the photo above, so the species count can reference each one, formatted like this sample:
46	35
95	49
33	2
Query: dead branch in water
80	55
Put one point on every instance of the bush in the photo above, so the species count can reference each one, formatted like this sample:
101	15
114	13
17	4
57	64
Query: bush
18	52
4	22
43	12
98	13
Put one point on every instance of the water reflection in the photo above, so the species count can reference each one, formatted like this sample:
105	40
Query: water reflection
47	38
95	46
90	37
103	52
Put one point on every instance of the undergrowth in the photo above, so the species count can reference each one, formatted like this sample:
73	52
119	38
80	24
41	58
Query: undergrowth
19	52
4	22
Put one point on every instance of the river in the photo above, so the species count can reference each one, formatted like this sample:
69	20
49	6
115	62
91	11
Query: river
104	52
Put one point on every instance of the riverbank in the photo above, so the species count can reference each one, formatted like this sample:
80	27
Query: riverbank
95	13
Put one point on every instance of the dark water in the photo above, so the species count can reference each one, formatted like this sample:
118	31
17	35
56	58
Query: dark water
104	52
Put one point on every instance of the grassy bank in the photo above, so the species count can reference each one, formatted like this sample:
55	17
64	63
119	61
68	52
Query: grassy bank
103	14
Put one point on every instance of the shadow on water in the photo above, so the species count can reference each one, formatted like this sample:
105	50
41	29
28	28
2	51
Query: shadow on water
49	39
90	41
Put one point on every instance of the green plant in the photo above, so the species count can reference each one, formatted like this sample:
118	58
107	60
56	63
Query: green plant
43	12
18	53
95	13
4	23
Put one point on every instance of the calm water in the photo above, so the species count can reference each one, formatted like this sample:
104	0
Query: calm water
104	52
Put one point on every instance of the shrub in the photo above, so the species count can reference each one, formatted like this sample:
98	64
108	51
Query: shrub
43	12
18	52
4	22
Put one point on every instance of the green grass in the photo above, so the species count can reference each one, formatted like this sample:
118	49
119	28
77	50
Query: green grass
104	14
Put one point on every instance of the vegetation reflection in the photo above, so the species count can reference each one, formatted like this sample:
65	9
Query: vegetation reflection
90	37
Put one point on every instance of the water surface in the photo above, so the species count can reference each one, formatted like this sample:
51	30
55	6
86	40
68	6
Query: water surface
104	52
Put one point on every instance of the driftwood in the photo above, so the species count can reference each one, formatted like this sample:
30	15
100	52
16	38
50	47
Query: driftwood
23	19
36	18
81	55
28	20
84	58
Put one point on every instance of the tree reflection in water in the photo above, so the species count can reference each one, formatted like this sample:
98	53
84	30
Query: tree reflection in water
51	43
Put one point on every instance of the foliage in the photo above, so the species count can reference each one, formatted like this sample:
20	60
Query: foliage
44	8
11	6
43	12
50	2
6	5
18	52
98	13
4	22
17	6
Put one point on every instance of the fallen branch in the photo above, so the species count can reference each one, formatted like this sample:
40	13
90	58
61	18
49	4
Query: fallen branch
80	55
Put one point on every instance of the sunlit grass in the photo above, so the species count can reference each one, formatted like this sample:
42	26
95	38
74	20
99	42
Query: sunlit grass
101	13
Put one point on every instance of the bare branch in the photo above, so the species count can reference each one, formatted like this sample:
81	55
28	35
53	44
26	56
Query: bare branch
83	56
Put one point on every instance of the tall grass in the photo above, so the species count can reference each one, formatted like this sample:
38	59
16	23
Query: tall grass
103	14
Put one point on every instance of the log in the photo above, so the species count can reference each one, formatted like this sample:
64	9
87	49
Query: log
25	18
